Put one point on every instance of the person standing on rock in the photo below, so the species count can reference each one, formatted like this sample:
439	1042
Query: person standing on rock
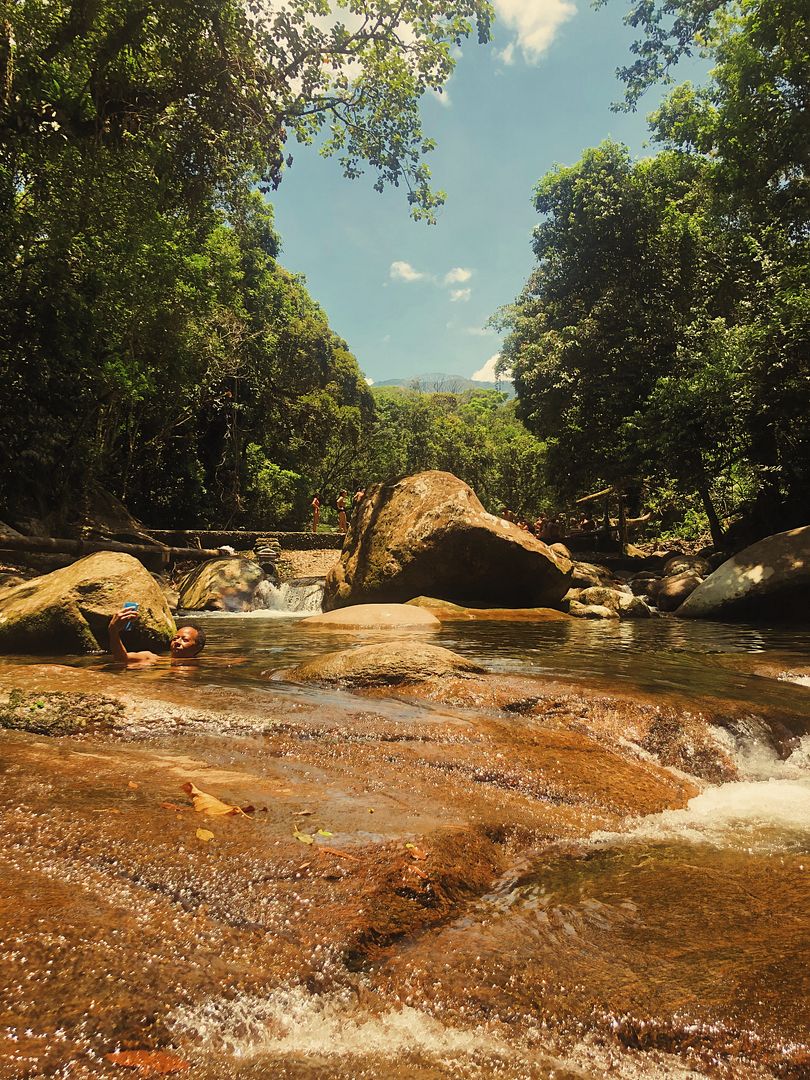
187	642
316	512
341	509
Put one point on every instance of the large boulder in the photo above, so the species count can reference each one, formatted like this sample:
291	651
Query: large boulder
428	535
68	611
680	564
226	584
384	665
769	580
374	617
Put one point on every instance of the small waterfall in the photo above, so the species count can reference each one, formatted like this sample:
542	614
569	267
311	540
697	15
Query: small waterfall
300	596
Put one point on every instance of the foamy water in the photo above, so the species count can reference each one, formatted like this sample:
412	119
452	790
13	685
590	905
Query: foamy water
764	815
292	1024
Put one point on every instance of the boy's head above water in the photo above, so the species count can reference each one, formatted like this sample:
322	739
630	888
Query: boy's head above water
188	641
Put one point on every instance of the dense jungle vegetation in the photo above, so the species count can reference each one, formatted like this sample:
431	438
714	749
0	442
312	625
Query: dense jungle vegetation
661	342
152	341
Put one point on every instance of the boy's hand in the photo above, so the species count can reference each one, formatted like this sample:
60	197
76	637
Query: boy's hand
120	618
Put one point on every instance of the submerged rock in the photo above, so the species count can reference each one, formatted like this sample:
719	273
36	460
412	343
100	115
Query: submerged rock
429	535
383	665
769	579
446	611
226	584
68	611
55	713
374	617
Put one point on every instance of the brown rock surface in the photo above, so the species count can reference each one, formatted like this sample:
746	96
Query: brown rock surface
373	617
670	592
428	535
431	835
383	665
226	584
447	611
68	611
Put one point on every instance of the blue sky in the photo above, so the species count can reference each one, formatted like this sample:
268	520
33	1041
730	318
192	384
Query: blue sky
411	298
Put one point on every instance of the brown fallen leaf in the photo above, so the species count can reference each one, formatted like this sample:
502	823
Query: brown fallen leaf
209	804
419	873
303	813
149	1062
204	834
416	852
173	806
133	785
337	851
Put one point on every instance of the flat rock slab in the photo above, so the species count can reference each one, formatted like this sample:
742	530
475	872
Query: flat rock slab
447	611
384	665
374	617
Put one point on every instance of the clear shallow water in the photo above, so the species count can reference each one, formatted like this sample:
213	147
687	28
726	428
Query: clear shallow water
668	656
687	927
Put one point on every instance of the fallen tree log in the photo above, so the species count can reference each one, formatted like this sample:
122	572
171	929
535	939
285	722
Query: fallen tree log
161	555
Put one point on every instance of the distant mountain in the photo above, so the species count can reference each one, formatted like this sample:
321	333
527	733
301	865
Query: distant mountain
437	382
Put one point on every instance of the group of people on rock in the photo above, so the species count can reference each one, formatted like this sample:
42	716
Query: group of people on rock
550	530
344	506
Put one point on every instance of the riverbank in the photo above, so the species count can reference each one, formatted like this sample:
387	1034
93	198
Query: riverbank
418	871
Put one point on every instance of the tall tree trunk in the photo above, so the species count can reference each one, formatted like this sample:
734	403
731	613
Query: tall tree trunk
711	514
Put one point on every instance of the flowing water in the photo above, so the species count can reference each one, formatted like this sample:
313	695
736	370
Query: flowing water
559	935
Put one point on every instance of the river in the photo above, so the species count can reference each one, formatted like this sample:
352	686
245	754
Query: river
455	884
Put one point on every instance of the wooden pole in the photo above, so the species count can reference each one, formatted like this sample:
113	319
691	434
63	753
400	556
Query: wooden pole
622	525
163	555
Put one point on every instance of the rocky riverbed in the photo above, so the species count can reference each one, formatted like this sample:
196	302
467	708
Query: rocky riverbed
408	884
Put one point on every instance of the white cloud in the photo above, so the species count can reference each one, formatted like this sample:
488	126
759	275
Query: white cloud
535	23
369	382
460	294
457	275
441	96
403	271
488	374
507	54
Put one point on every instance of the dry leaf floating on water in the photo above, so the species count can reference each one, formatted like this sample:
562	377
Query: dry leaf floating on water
209	804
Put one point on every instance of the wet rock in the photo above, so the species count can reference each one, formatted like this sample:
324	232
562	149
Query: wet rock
374	617
770	579
591	611
226	584
429	535
68	611
588	575
680	564
383	665
619	601
561	550
642	584
671	592
446	611
55	713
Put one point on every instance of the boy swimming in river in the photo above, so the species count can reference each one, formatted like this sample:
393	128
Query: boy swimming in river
187	642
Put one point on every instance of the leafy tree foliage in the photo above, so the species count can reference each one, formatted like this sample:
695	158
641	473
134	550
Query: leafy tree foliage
475	435
663	335
149	336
